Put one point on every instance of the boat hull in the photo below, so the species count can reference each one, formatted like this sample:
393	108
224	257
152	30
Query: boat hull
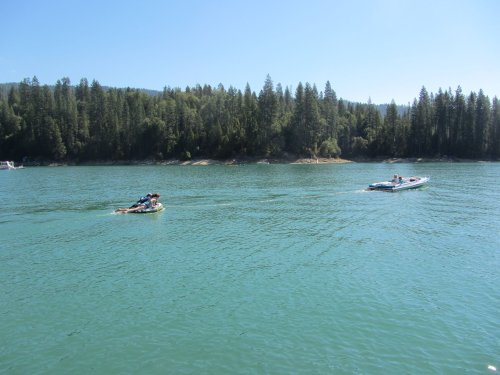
410	183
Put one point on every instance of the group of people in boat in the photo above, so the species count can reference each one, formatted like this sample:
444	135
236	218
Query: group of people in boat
397	179
150	200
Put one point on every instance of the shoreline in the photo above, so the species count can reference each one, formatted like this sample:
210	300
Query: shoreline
195	162
261	161
236	161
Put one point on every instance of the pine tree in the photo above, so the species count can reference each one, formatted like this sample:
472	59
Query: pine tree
82	99
494	145
250	121
267	105
97	126
469	145
313	132
296	136
482	125
440	144
329	111
391	143
421	125
457	132
66	114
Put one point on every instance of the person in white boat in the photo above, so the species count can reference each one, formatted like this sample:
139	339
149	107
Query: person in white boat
148	201
395	179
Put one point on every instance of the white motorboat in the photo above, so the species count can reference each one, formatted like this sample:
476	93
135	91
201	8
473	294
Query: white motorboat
403	184
5	165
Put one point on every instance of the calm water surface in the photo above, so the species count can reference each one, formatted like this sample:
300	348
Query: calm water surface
253	269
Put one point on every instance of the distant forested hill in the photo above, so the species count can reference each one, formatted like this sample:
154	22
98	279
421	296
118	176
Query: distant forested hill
401	109
5	88
86	122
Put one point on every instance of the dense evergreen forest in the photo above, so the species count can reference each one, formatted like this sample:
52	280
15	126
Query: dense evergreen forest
93	123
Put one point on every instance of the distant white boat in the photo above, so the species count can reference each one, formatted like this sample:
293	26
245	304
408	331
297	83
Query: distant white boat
5	165
404	184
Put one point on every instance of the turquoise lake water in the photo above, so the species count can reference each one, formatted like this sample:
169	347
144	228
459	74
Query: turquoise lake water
251	269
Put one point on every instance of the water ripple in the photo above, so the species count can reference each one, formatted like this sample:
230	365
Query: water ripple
258	269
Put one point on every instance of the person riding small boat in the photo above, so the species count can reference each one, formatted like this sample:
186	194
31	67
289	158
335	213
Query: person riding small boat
142	200
148	201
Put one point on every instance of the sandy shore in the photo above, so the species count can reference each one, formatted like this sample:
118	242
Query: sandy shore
196	162
315	161
256	161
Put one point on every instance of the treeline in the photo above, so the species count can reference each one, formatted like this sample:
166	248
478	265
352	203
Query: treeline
89	122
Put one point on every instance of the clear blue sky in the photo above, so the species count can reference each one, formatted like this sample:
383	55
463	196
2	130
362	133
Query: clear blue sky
378	49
